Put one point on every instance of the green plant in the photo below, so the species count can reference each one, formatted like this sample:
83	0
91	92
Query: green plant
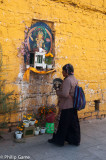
28	116
49	58
8	104
43	111
20	126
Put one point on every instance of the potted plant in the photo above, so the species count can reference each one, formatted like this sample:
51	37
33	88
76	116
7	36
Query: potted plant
27	116
32	121
18	134
26	123
47	115
49	60
41	119
50	119
42	130
37	125
28	120
36	132
42	124
50	114
37	129
20	128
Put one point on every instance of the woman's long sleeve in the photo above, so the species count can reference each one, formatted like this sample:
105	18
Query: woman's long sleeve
64	92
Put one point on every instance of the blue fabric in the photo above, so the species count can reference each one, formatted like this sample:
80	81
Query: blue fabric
79	98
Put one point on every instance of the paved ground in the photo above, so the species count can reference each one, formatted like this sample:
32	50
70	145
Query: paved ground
93	145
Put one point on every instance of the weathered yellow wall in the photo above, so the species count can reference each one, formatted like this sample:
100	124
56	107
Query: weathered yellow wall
80	39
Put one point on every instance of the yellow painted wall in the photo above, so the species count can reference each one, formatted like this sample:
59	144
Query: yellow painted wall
80	39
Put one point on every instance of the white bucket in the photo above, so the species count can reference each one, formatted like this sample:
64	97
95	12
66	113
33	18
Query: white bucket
31	123
26	123
18	134
42	130
36	132
49	66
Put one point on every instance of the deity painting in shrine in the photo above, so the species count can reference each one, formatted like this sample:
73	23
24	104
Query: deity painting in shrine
40	45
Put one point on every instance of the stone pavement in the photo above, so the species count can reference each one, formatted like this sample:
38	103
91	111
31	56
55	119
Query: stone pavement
93	145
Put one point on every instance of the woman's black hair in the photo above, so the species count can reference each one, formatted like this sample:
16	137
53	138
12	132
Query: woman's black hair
68	68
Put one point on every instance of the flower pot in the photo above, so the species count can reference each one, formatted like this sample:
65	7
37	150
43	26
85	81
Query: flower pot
49	127
49	66
32	122
18	134
42	130
50	118
36	132
26	123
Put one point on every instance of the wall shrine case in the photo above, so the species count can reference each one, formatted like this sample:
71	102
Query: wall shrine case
40	46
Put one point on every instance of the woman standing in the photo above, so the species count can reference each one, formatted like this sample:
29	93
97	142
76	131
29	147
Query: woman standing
68	128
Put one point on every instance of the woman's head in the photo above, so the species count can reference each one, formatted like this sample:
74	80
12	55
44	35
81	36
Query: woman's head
68	70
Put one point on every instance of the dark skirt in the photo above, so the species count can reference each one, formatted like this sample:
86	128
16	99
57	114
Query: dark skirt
68	128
